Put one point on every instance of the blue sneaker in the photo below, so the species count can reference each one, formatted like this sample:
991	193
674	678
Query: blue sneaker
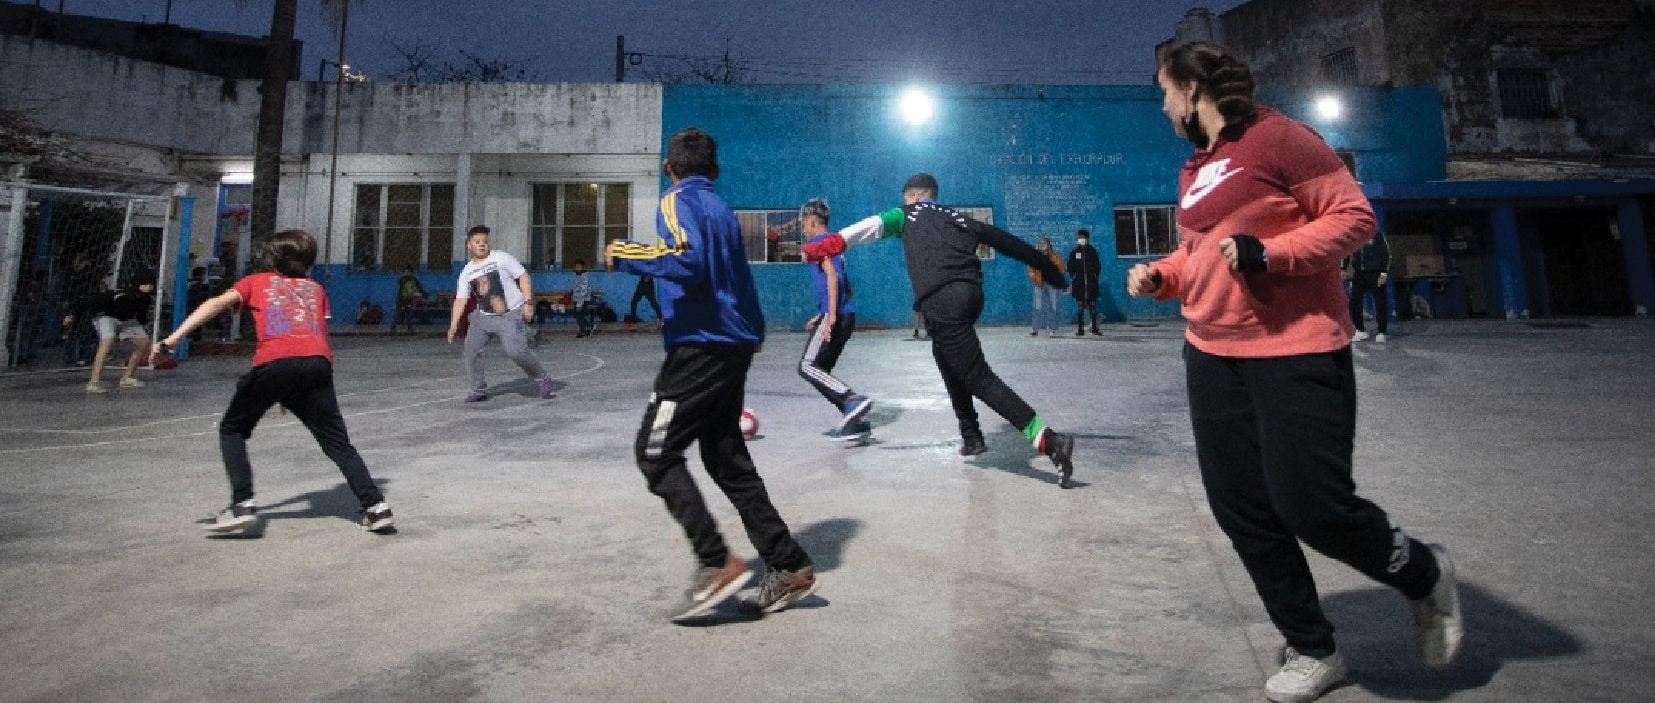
857	430
855	410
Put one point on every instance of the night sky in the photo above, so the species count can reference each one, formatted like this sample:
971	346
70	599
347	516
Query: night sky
860	41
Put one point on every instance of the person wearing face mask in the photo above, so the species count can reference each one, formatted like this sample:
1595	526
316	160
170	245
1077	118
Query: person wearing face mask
1084	271
1266	213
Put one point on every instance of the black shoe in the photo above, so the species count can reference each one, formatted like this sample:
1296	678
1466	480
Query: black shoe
973	445
1080	332
1096	332
1062	452
378	518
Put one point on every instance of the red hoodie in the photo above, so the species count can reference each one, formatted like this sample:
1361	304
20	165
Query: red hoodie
1278	181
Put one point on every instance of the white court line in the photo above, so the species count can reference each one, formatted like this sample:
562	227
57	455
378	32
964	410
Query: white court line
288	423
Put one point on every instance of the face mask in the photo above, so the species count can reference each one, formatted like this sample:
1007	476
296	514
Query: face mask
1192	124
1080	242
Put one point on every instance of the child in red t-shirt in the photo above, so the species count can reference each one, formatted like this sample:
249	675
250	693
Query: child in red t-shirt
292	365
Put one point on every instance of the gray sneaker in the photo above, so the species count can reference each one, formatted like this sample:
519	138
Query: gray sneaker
239	517
784	588
1438	628
1305	678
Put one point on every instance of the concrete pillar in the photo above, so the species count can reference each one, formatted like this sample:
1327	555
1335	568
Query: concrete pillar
462	205
11	252
1508	251
1635	245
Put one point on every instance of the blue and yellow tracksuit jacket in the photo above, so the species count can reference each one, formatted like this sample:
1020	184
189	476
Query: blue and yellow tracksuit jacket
706	288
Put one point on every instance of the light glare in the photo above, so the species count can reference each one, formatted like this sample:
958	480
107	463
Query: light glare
917	107
1329	107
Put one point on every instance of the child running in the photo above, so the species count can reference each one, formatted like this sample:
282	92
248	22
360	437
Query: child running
292	365
834	322
712	328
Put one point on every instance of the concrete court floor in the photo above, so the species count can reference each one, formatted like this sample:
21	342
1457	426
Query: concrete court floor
531	563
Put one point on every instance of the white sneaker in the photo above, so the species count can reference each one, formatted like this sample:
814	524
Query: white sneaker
95	387
1360	336
132	383
1438	628
1379	338
1305	678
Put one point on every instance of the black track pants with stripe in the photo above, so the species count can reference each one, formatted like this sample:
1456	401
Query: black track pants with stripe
698	398
816	366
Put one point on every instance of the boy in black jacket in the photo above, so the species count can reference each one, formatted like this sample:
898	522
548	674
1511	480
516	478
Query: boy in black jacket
119	316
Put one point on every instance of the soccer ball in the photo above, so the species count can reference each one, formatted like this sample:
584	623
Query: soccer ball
749	424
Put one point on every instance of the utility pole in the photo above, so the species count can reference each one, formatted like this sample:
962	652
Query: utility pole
620	58
333	168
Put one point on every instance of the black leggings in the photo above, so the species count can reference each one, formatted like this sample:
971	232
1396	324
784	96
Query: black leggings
1274	439
303	385
951	321
698	398
1082	307
1363	283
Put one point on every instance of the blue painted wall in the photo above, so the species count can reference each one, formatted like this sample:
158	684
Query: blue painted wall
1047	159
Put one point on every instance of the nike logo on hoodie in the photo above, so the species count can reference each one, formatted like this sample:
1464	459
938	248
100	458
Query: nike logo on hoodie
1206	180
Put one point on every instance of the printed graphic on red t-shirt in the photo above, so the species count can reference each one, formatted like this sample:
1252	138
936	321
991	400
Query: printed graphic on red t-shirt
290	315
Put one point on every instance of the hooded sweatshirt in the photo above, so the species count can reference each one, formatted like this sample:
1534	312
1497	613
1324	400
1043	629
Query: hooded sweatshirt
1273	178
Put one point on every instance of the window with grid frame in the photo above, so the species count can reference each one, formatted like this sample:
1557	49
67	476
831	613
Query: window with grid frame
575	221
1339	67
984	215
773	236
1525	93
1145	230
403	225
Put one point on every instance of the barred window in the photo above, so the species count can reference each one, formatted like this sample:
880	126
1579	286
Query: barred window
1525	93
771	235
1145	230
774	236
576	221
400	225
984	215
1339	67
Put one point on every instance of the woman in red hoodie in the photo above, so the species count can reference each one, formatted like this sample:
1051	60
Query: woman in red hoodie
1266	213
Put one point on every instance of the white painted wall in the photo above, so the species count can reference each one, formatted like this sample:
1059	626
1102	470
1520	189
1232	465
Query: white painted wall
174	125
105	96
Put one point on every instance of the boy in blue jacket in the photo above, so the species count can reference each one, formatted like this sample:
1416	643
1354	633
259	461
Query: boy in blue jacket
712	326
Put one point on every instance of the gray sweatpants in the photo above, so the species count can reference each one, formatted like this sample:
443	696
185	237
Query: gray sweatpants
514	336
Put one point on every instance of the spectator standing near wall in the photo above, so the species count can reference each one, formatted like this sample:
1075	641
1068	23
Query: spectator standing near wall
1084	271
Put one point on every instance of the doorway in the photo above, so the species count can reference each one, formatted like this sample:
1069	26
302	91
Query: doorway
1585	266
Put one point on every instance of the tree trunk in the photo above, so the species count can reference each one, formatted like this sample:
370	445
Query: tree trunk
267	145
